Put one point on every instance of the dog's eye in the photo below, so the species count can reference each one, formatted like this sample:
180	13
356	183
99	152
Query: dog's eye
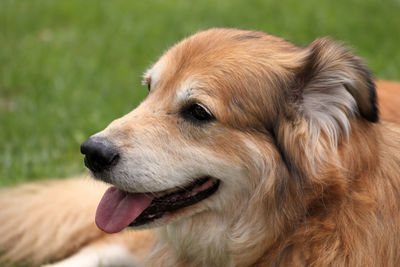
198	113
148	87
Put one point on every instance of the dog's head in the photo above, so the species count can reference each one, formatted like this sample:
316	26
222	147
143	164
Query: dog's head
226	111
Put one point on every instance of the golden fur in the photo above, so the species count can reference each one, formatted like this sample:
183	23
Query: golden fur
309	176
388	93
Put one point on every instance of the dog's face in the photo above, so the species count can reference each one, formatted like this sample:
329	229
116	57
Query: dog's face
209	130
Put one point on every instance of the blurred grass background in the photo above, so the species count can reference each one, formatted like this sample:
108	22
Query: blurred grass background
67	68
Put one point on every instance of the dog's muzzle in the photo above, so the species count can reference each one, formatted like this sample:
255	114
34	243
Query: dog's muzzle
100	154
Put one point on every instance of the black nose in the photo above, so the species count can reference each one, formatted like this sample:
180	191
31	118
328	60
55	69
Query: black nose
100	154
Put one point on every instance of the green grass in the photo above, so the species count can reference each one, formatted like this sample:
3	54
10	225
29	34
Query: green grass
67	68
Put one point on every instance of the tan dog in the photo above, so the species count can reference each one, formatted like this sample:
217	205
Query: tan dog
248	150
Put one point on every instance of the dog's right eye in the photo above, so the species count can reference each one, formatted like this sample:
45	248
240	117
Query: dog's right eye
198	113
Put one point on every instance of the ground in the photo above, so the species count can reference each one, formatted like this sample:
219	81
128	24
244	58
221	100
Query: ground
67	68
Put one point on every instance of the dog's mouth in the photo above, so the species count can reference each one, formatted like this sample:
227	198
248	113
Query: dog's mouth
119	209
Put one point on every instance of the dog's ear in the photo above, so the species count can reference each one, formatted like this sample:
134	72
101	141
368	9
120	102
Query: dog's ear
332	80
331	87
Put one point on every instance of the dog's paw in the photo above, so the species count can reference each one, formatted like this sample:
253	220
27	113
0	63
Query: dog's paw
108	255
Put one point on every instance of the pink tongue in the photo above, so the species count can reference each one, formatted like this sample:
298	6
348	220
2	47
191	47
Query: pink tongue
117	209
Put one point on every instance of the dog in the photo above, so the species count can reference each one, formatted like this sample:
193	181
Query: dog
247	151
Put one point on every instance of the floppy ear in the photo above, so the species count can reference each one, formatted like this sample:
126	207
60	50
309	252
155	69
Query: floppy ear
331	88
331	75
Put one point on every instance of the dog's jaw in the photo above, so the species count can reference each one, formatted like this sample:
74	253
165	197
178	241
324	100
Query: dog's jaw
214	238
168	205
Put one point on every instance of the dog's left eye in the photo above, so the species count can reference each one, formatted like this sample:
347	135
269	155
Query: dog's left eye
198	113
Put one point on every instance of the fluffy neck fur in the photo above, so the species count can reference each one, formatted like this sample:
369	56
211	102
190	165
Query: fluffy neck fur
284	220
215	239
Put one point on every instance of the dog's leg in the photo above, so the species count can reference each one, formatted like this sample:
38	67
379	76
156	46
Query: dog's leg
48	220
127	248
51	220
